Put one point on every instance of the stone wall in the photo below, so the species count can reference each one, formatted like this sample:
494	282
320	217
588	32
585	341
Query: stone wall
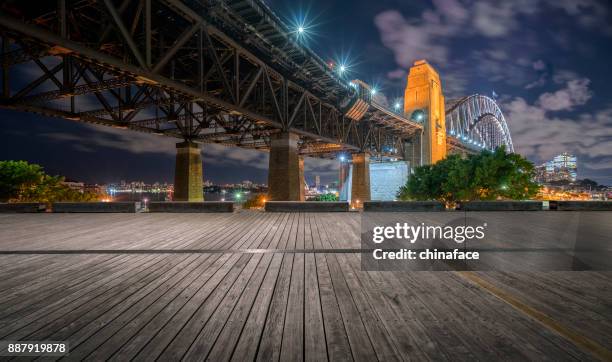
386	178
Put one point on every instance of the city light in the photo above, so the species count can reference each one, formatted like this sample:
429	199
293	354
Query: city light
342	68
373	91
301	29
397	106
342	158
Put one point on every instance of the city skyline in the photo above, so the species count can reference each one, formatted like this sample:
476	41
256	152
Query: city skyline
554	100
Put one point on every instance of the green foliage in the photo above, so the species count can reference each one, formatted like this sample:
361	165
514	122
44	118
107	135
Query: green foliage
485	176
17	177
21	181
326	197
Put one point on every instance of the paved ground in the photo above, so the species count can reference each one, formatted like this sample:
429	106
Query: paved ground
217	286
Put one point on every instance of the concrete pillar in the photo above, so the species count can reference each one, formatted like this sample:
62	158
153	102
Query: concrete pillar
360	186
424	95
188	173
284	169
302	180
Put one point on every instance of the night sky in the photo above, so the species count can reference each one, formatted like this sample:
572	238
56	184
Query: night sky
547	60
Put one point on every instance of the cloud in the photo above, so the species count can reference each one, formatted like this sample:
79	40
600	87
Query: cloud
411	42
590	14
539	65
495	19
144	143
576	93
541	81
436	31
538	133
397	74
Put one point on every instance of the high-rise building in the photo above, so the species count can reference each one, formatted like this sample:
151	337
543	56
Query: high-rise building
317	182
562	167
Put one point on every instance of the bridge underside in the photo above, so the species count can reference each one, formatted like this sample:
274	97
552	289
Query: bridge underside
202	73
215	82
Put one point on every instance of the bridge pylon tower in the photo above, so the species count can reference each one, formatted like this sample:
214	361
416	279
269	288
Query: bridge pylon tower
424	103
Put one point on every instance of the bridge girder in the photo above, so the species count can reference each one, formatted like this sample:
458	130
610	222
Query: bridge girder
219	80
476	122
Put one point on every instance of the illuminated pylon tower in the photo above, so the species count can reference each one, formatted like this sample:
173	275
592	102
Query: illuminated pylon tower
424	103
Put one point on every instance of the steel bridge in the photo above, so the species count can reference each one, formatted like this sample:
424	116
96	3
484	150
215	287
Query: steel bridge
477	122
228	72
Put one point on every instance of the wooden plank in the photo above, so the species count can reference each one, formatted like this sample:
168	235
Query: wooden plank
230	312
125	318
292	348
20	312
379	335
314	330
68	313
102	313
162	322
338	347
254	301
269	346
358	337
250	335
177	335
191	339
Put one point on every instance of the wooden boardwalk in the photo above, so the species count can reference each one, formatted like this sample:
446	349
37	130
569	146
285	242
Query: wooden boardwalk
277	286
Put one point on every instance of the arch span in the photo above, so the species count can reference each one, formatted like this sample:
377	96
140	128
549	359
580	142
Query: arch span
477	121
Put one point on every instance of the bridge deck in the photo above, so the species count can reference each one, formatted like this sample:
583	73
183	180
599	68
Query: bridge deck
218	300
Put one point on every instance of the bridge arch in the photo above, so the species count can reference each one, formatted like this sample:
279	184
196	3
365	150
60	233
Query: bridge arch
477	120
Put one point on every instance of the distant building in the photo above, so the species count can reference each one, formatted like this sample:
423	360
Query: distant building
95	189
562	167
75	185
317	182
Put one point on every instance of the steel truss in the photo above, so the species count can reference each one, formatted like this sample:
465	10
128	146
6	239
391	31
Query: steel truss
209	71
476	122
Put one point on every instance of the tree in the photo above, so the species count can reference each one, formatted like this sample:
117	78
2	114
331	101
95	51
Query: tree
326	197
24	182
17	177
485	176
